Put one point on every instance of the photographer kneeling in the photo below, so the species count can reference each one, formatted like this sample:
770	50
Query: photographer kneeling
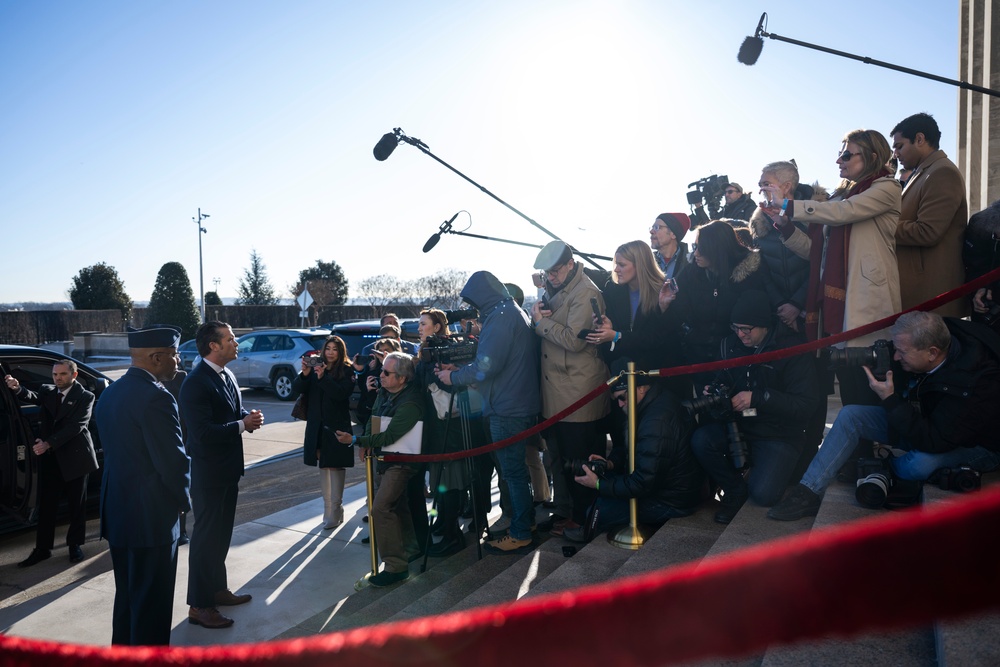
761	410
667	480
942	410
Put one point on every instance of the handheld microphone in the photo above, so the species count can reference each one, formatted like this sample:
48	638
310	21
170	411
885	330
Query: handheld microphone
436	236
385	146
752	46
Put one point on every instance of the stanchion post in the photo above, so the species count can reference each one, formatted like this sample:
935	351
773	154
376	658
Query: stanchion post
373	545
633	535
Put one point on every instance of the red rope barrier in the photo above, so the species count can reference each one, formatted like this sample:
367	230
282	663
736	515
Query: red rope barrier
765	357
897	570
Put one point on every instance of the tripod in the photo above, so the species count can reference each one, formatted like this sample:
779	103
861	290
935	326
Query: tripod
460	399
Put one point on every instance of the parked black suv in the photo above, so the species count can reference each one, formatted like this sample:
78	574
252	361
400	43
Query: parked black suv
19	426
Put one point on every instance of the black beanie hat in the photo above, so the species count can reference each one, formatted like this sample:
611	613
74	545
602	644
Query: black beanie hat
753	309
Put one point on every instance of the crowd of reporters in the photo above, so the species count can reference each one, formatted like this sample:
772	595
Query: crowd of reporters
798	266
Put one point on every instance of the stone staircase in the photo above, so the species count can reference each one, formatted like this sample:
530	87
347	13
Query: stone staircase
462	582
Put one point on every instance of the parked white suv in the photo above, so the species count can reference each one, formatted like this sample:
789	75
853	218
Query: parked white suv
270	358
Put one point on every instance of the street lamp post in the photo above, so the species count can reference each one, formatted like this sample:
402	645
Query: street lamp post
201	267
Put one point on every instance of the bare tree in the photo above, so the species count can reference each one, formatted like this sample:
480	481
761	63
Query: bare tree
442	289
379	291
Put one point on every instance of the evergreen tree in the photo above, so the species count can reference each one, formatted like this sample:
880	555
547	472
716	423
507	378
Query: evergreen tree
98	287
255	289
212	299
327	284
173	301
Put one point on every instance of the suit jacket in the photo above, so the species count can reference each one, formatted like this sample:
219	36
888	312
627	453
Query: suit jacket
65	426
930	234
146	472
211	422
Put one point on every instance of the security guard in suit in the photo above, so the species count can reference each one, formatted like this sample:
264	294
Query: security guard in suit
65	457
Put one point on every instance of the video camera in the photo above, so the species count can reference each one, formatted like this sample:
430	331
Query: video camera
459	349
708	191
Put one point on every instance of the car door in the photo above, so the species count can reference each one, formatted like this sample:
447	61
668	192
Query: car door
241	365
268	351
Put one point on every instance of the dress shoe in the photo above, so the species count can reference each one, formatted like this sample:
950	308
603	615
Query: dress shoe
386	578
183	539
75	554
208	617
227	598
35	557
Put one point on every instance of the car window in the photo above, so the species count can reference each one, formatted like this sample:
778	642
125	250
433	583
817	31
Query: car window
284	343
246	344
316	341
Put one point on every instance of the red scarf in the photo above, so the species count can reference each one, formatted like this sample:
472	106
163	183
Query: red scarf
828	297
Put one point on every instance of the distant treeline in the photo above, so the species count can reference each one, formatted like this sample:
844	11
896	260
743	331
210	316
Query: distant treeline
36	327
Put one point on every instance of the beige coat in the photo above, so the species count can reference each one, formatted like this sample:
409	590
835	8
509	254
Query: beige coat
931	233
571	367
872	271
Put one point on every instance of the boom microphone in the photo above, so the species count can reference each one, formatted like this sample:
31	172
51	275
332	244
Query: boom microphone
385	146
436	236
752	46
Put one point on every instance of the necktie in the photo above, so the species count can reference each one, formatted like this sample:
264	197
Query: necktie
230	389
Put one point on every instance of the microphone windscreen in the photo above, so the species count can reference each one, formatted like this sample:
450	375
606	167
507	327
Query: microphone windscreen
385	146
749	50
431	242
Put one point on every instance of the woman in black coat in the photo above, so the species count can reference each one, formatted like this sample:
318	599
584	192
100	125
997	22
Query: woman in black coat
701	308
326	383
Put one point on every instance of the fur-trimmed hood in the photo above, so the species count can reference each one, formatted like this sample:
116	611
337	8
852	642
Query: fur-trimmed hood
748	266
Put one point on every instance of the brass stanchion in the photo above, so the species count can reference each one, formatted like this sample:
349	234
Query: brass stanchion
633	535
370	491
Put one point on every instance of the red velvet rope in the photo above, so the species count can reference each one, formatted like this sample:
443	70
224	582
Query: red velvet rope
894	571
765	357
897	570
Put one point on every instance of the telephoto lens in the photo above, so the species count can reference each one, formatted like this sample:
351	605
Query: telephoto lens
873	490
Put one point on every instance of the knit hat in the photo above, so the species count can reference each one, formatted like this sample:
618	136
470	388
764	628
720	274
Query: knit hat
737	186
753	309
619	366
679	223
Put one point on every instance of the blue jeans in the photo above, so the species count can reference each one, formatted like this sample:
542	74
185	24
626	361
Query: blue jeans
872	423
772	465
515	472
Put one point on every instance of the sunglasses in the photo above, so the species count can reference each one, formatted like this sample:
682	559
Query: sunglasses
731	191
847	155
385	372
622	399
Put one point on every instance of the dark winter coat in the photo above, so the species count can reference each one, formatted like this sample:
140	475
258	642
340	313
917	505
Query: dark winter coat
701	313
665	466
786	392
642	340
787	273
956	405
327	411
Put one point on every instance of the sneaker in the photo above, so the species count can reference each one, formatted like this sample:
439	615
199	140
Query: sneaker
509	545
560	527
798	504
386	578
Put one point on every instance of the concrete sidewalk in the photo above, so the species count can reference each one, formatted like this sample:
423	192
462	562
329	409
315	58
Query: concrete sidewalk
292	567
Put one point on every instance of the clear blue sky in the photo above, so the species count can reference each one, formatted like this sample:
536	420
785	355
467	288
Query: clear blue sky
119	119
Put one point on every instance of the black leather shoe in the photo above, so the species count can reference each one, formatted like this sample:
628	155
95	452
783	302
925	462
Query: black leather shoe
35	557
75	554
182	540
800	502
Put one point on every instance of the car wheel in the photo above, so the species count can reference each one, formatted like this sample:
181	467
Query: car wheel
282	385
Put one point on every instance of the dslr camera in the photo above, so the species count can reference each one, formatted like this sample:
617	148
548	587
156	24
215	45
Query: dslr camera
575	466
313	359
718	406
962	479
878	357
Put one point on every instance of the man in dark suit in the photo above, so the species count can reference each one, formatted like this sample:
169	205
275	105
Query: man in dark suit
214	421
144	489
65	457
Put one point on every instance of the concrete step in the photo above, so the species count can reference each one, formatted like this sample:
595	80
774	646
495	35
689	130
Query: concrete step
972	641
910	647
519	578
592	563
677	541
